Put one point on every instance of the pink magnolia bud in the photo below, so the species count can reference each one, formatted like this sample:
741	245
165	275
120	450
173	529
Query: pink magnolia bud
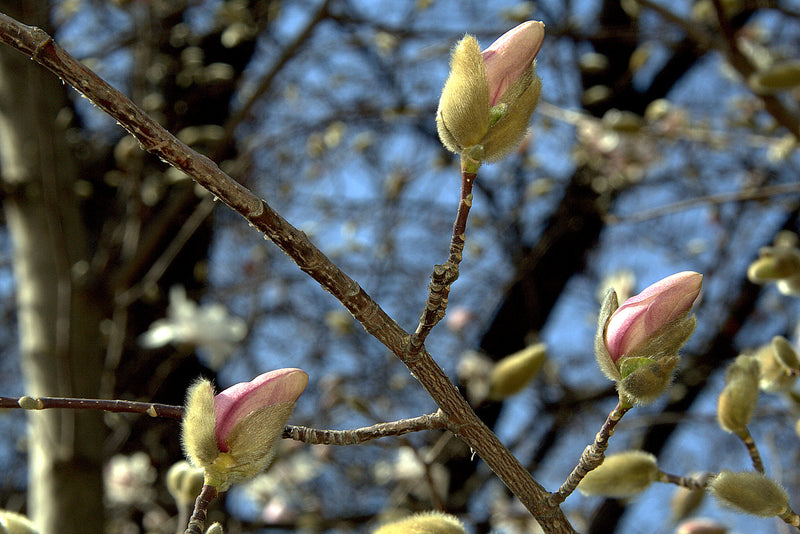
232	435
238	401
643	315
511	55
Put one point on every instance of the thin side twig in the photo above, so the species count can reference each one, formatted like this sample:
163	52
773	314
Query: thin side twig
434	421
752	449
120	406
444	275
593	455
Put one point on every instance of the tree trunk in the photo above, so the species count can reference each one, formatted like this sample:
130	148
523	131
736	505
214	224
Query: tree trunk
59	333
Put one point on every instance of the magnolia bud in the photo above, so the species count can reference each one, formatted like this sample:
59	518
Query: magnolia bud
489	97
14	523
513	372
637	344
232	435
780	76
215	528
685	501
750	492
779	365
739	396
701	526
621	475
424	523
184	482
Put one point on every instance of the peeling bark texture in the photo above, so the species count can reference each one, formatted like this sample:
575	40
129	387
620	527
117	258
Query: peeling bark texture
58	317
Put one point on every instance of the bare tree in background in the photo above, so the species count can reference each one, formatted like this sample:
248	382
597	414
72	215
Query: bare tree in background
654	150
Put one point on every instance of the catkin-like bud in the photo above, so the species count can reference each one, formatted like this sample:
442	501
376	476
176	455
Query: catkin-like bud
738	399
215	528
621	475
778	365
184	482
14	523
424	523
750	492
779	77
701	526
513	372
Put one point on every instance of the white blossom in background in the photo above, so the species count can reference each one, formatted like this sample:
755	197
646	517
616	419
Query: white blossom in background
129	479
209	327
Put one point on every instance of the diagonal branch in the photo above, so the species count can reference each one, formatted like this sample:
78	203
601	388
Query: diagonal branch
156	140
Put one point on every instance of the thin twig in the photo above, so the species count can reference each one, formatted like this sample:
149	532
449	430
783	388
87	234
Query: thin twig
156	140
198	520
434	421
752	449
120	406
593	455
444	275
692	483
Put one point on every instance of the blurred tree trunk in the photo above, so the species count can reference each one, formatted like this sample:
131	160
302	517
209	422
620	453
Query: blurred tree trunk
58	317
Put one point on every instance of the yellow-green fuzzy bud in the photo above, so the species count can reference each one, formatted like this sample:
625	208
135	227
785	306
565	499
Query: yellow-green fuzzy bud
489	96
513	372
777	361
621	475
14	523
199	440
215	528
780	76
774	267
645	379
739	396
685	501
424	523
601	354
184	482
750	492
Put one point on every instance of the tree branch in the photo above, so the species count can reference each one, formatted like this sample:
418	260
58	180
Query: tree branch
156	140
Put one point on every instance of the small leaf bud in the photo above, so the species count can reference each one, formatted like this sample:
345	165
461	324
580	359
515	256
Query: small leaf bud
184	482
621	475
750	492
215	528
14	523
513	372
30	403
739	396
424	523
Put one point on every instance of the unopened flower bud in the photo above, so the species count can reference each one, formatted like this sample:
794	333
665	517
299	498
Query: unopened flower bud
215	528
750	492
513	372
685	501
489	97
637	343
701	526
778	77
232	435
738	399
424	523
14	523
779	365
184	482
621	475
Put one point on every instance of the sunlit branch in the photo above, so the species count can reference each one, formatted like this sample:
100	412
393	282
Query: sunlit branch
434	421
592	456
